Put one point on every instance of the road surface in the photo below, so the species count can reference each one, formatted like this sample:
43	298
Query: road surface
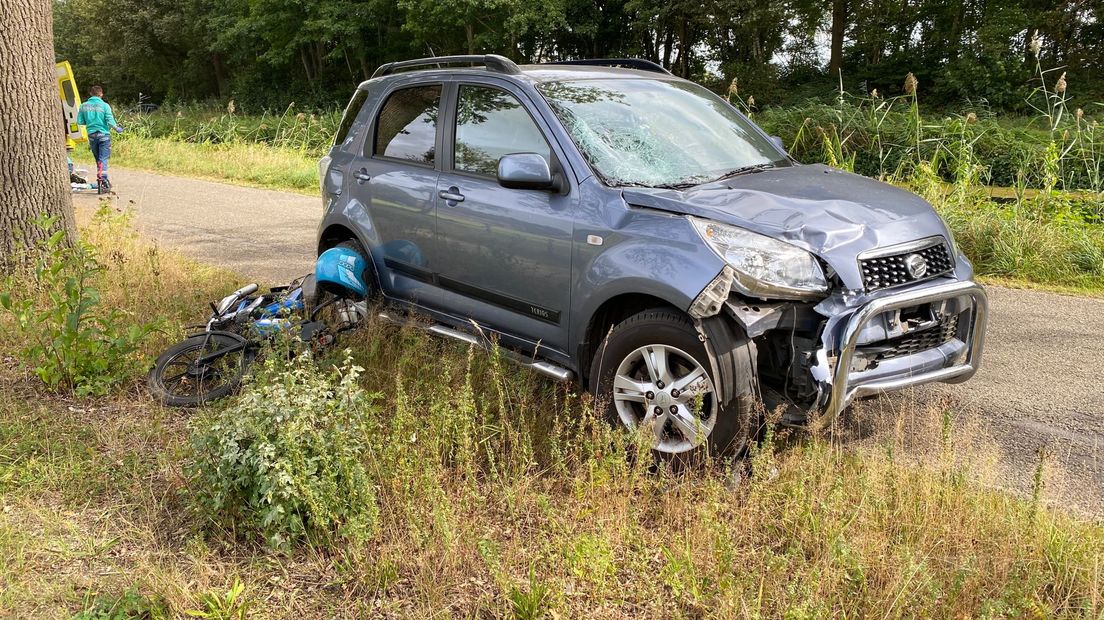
1041	383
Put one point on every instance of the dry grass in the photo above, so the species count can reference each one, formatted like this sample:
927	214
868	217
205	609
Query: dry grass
895	516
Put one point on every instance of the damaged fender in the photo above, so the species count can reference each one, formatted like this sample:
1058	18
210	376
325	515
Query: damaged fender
732	358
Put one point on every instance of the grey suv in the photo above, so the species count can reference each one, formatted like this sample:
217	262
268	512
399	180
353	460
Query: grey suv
607	222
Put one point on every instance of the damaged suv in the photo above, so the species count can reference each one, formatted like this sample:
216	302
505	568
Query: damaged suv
606	222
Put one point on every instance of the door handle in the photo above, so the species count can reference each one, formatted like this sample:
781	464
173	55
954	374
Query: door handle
362	176
451	195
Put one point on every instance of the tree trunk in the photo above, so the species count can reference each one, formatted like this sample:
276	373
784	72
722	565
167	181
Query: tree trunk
306	66
221	80
33	178
668	43
839	28
684	50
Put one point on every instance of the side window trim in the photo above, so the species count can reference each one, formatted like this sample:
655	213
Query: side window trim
368	150
450	99
454	110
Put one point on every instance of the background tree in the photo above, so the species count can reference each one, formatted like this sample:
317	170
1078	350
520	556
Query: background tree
268	53
33	179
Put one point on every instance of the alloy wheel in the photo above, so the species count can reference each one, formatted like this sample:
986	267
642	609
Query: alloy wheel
665	389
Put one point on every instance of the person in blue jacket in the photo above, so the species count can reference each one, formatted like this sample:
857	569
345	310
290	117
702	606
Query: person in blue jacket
95	114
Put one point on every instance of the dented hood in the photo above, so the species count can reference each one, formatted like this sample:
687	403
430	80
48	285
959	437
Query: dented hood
834	214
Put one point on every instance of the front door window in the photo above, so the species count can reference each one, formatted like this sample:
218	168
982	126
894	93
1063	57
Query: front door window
491	123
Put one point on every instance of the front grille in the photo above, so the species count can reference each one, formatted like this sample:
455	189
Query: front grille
891	270
918	341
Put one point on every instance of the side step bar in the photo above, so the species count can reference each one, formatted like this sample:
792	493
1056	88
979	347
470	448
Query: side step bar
548	369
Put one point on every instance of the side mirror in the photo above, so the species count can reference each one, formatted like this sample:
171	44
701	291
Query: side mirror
524	171
779	143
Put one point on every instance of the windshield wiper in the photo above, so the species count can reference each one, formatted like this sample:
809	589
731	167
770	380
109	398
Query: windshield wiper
743	170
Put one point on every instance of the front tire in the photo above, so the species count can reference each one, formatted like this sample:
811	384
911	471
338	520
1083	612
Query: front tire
652	373
179	379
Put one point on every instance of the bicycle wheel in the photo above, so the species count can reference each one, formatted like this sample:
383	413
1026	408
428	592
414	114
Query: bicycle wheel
200	369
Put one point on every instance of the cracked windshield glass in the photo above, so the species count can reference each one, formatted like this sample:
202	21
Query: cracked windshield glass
655	133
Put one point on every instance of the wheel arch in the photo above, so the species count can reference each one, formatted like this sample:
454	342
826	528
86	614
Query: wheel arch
609	313
732	355
337	233
334	234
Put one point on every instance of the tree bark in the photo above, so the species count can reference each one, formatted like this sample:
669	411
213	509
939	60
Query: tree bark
839	28
221	80
33	177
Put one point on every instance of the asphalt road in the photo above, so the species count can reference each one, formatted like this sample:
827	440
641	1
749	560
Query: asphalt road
1041	382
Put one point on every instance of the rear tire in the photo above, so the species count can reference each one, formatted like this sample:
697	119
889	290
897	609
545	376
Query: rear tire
340	313
652	371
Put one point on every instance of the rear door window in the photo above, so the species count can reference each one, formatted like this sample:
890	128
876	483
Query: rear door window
406	128
491	123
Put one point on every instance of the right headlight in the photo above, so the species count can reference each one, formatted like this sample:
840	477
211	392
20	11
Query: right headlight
764	267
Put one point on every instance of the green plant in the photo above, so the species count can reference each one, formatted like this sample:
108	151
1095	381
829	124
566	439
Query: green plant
286	460
533	602
131	605
229	605
71	341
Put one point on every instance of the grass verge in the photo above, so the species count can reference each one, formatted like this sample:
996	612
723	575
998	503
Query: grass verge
256	165
502	495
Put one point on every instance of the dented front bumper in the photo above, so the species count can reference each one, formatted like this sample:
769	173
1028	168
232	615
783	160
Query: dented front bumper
815	359
851	365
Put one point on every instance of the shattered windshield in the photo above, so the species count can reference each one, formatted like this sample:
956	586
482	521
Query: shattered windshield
657	133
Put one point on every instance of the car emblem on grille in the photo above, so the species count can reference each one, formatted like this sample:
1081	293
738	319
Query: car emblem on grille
916	265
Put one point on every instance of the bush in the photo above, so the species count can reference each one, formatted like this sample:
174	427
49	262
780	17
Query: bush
71	341
286	460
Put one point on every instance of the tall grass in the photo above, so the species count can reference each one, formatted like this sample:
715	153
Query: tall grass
889	137
310	133
500	494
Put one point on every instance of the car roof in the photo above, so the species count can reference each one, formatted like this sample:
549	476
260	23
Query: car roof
560	73
536	73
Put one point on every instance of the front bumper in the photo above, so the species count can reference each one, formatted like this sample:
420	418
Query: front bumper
951	362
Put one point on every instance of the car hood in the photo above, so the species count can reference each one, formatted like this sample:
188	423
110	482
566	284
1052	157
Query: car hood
834	214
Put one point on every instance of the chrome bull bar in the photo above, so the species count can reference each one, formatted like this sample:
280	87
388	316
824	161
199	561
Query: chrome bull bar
844	390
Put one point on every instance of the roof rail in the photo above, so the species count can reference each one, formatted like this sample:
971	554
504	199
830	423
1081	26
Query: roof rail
627	63
493	62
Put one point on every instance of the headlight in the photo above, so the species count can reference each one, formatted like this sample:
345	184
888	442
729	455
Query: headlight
764	267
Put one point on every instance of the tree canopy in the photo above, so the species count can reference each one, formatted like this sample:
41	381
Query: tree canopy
267	53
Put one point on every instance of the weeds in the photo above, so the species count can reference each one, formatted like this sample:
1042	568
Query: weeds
532	602
229	605
73	342
131	605
288	459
